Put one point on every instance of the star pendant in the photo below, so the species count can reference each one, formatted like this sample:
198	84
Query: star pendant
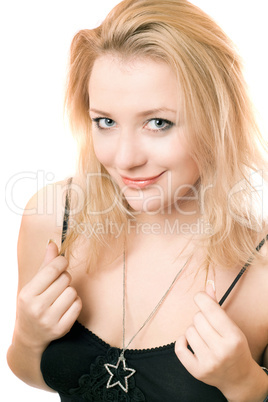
119	374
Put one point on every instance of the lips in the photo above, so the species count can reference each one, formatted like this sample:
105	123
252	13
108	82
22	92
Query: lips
140	182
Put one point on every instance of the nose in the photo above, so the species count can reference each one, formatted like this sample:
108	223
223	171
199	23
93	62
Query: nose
130	152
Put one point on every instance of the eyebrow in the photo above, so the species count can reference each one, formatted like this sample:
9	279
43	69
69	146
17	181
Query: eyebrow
141	114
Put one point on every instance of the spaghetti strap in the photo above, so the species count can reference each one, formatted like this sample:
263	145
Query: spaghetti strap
248	263
66	212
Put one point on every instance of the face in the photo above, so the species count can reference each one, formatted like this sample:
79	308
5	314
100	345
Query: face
138	134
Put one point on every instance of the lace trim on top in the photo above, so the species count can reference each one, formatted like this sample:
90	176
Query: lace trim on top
93	385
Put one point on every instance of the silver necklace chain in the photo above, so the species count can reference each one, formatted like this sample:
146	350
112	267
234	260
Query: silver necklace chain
153	311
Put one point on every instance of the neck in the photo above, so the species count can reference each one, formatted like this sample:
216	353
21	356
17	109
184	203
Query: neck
186	221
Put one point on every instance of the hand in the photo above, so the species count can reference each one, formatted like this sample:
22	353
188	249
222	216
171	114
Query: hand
221	355
47	306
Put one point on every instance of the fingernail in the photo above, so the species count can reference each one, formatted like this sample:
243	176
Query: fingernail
50	241
210	282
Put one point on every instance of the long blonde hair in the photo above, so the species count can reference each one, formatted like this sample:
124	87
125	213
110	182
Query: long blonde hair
218	113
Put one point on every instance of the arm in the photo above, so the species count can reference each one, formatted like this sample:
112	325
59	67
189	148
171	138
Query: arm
46	306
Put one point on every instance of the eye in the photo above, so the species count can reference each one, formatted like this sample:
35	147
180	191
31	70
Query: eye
159	124
104	123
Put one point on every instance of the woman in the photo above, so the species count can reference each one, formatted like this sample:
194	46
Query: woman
159	290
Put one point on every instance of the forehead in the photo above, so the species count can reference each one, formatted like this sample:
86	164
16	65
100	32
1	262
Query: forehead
139	82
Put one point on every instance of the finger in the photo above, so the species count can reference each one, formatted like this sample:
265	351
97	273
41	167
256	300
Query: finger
63	303
186	357
210	289
209	335
44	278
215	315
69	317
52	252
48	297
197	343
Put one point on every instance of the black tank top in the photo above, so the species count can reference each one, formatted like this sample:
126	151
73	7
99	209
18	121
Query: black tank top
74	367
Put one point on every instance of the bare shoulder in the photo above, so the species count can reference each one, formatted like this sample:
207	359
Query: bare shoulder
41	221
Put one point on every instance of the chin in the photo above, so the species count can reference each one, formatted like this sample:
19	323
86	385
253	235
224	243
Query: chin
151	208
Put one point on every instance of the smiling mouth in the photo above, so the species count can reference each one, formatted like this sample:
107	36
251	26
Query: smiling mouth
140	182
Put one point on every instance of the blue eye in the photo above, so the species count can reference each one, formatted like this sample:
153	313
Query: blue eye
159	124
104	123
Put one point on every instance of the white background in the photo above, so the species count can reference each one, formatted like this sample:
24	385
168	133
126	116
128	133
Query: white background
35	37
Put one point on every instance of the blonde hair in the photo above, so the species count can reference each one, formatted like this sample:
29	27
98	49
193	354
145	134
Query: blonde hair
218	113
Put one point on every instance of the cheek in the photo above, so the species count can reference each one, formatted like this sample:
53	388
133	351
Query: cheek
103	151
192	167
185	169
